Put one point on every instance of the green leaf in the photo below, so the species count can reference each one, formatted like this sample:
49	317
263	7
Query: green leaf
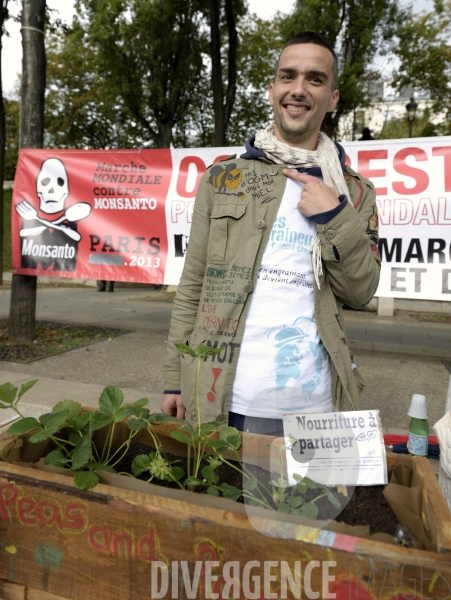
207	428
218	445
203	351
230	492
25	387
45	434
7	393
231	436
162	418
99	467
250	484
74	436
296	502
99	420
137	424
310	510
333	500
140	463
111	400
177	472
81	454
80	421
301	488
138	403
85	480
311	484
212	491
192	481
56	458
55	418
210	475
24	426
283	508
181	437
44	418
73	408
185	349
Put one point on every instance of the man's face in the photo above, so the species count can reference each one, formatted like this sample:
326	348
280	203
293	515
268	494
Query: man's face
302	94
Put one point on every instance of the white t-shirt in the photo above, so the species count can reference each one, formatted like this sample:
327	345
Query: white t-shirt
283	366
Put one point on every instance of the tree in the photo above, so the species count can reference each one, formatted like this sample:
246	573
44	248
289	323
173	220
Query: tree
356	30
399	128
424	50
260	45
148	56
22	311
4	15
76	115
12	123
223	94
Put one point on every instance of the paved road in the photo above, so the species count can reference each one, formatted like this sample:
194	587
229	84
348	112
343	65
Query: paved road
397	356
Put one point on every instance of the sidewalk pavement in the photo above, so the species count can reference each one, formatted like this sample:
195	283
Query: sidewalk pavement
397	356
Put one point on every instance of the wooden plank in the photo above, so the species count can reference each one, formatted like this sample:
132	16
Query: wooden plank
436	513
34	594
83	545
12	591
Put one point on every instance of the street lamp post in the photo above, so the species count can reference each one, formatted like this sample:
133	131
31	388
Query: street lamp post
119	126
411	109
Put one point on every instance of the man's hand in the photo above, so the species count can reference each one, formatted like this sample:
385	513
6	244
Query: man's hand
316	196
172	405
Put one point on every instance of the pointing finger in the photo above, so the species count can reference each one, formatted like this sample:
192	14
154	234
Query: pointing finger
296	176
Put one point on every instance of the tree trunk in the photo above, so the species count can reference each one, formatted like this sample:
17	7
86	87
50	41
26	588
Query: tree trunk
22	310
3	14
216	74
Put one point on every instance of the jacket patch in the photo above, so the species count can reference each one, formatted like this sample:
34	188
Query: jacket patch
226	179
211	396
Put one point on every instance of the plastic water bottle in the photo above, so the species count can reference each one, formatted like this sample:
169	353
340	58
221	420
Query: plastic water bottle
418	429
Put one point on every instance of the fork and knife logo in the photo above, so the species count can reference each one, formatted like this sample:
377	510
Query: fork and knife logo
74	213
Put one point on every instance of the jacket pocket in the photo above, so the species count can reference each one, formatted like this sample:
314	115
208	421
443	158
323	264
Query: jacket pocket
226	226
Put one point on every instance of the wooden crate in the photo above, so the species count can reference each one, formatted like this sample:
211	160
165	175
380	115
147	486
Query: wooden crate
57	542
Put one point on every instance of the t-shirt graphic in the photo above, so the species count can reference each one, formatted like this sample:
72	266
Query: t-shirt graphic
283	366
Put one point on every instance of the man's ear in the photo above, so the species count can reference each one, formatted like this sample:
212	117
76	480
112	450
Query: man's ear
270	88
333	101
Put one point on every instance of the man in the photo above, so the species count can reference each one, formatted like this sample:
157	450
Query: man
280	238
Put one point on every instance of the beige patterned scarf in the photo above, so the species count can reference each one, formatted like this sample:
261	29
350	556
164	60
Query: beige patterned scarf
325	156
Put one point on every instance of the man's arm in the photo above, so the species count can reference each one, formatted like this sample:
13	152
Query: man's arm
348	240
188	296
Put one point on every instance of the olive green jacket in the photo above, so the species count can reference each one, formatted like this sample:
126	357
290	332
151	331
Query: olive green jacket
234	212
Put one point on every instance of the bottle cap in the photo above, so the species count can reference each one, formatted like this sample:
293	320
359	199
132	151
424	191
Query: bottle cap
418	408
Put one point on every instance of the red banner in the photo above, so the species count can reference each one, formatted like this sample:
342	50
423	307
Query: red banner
91	214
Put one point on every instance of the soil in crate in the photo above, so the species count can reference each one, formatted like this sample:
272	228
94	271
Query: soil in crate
367	506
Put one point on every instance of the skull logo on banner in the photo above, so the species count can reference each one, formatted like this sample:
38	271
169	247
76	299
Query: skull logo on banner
52	186
51	242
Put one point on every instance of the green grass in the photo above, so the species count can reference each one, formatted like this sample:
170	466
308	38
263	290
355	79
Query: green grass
6	237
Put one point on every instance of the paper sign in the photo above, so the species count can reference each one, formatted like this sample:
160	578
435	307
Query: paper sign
337	448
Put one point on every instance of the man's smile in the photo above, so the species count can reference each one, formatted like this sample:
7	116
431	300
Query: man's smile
293	107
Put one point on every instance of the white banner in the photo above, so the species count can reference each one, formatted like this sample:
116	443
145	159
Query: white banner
413	184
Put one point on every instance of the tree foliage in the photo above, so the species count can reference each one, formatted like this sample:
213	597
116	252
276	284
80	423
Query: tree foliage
148	56
151	62
357	30
12	122
422	126
424	50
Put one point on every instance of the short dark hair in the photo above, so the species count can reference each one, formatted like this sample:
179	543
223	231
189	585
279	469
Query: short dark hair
310	37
